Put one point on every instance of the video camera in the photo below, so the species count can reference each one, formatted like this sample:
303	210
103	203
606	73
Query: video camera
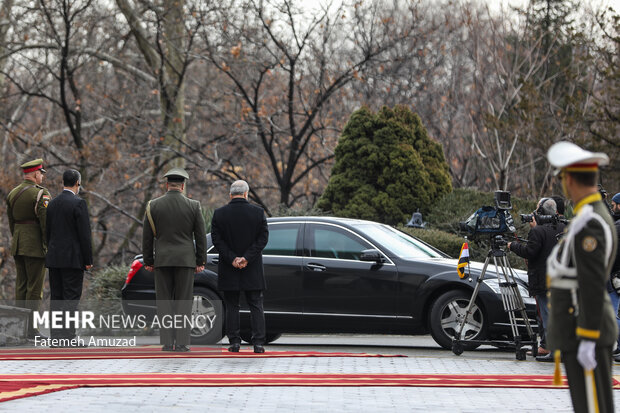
542	219
489	220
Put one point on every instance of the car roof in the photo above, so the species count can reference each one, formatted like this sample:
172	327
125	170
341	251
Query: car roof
326	219
347	222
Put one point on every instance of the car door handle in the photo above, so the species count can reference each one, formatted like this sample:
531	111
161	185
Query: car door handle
316	267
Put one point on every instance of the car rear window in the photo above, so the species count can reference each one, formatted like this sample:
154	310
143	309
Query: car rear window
282	239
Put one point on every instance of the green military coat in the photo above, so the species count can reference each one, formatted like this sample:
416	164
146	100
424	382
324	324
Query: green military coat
178	221
585	312
27	209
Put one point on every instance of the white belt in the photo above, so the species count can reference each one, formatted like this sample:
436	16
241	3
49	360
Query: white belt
564	283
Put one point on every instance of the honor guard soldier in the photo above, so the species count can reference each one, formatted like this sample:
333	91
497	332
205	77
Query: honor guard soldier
174	246
26	208
582	324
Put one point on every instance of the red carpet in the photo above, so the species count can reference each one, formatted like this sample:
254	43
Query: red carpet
151	352
23	385
17	390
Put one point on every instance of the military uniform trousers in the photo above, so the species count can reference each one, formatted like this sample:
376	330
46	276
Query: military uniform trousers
29	285
174	288
602	378
29	280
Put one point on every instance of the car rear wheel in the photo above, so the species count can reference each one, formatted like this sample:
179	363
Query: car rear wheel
208	313
445	319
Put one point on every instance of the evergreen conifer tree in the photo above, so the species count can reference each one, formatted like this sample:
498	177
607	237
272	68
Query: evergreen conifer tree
386	168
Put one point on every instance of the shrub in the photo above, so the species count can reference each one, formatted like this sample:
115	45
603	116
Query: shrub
207	215
284	211
102	290
102	296
444	241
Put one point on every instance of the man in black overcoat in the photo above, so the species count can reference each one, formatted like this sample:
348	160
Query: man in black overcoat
239	233
69	248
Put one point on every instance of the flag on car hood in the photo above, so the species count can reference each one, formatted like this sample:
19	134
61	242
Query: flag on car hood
463	260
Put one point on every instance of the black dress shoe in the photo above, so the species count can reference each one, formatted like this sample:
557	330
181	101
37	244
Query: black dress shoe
167	347
258	348
234	348
182	348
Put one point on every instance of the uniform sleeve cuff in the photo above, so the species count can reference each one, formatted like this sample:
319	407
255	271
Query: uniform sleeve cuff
585	333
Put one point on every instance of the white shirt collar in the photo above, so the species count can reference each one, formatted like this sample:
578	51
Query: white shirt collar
68	190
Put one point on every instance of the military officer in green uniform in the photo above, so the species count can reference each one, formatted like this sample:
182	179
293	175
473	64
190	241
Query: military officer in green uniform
26	208
582	323
172	224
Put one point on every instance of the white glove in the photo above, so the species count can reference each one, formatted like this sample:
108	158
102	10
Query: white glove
585	354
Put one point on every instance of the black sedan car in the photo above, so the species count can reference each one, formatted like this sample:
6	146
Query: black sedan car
335	275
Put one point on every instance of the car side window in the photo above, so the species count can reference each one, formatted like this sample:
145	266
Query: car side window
334	242
282	239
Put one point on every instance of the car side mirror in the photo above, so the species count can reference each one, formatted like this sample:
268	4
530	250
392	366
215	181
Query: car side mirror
372	255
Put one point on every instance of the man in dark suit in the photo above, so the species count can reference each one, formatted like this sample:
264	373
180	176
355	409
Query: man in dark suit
172	224
239	233
69	248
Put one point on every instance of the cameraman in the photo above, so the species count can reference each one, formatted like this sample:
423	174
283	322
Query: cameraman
540	241
613	286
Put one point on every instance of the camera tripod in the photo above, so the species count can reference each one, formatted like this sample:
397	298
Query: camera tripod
512	302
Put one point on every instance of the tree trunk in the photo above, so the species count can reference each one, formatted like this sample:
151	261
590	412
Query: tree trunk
165	57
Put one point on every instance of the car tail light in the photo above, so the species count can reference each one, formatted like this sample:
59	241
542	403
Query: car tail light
135	266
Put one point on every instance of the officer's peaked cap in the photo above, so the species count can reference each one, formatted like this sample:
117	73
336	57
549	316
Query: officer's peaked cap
31	166
176	175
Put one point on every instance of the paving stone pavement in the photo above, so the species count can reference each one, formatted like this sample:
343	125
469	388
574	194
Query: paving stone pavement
299	399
